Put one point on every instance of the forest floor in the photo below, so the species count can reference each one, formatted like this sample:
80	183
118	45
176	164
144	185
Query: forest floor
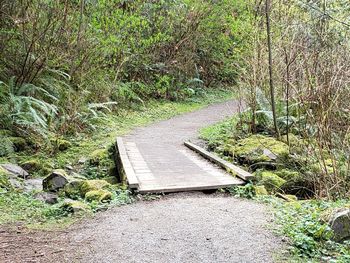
187	227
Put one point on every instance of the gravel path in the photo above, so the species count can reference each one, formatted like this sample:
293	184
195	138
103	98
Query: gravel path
185	227
192	227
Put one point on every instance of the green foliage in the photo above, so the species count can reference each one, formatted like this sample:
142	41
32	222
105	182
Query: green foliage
310	237
246	191
65	65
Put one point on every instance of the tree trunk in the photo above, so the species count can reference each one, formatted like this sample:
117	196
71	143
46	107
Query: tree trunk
272	88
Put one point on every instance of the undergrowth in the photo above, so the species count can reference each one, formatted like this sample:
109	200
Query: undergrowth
17	207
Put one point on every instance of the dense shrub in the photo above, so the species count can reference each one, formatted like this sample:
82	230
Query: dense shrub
66	61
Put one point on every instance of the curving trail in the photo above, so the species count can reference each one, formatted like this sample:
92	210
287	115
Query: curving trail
186	227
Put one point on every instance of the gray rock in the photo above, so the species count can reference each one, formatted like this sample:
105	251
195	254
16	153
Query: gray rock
15	170
55	181
270	154
69	167
48	198
82	160
340	224
16	183
33	185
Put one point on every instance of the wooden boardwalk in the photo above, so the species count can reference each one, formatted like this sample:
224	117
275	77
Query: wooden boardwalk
161	163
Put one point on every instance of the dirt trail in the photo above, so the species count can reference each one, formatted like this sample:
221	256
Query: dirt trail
187	227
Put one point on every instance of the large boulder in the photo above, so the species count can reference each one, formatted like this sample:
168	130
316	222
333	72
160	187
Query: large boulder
340	224
15	170
55	181
259	148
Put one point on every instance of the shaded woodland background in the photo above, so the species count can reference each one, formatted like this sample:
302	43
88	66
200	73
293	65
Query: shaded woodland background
64	64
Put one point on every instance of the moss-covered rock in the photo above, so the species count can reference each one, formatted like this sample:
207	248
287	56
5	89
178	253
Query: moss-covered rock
259	148
75	206
270	180
339	222
19	143
73	189
60	144
98	195
36	166
91	185
97	156
287	174
260	190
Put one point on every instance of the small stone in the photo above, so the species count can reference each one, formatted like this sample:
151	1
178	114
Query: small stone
82	160
48	198
69	167
340	224
55	181
270	154
75	206
15	170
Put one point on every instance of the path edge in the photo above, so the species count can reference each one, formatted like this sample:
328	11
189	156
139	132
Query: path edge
231	168
124	165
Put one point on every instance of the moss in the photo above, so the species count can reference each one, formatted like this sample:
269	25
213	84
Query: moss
251	149
6	133
287	174
98	156
19	143
98	195
260	190
321	167
91	185
271	181
111	179
36	166
73	189
75	206
60	144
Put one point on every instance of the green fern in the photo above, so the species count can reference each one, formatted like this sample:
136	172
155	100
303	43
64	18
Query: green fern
25	107
6	146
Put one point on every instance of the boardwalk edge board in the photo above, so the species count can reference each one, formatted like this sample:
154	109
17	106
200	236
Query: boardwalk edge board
124	165
239	172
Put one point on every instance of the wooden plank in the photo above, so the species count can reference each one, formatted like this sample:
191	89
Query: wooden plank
126	166
183	188
239	172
